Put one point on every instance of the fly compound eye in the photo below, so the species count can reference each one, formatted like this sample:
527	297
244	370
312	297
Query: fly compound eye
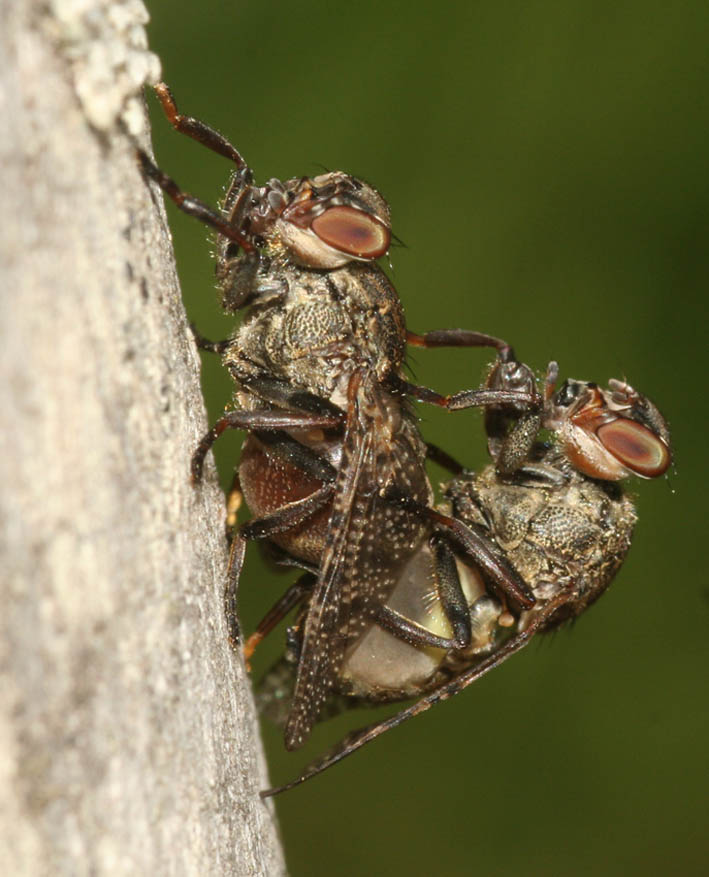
635	446
353	232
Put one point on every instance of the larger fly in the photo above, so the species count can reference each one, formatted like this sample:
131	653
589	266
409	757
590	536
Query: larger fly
318	366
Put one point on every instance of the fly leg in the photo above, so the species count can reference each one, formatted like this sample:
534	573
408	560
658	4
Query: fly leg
460	338
466	398
293	597
190	205
520	397
207	345
288	516
284	518
511	433
296	409
197	130
452	599
477	547
512	402
481	397
206	136
442	458
283	394
237	550
262	419
484	554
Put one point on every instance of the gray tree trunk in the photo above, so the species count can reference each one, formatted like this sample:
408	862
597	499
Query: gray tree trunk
127	731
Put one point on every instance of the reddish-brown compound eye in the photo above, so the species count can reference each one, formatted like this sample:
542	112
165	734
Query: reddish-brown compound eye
352	231
635	446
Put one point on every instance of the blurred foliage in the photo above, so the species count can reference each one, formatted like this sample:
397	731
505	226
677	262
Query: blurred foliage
546	163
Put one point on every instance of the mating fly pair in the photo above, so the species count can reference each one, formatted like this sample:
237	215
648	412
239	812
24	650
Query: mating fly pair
333	464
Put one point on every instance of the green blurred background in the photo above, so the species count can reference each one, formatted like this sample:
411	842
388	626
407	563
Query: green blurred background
546	163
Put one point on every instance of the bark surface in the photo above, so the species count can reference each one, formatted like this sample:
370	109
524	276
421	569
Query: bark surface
127	730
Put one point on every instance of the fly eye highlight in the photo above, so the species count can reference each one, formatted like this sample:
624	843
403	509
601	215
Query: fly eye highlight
635	446
353	232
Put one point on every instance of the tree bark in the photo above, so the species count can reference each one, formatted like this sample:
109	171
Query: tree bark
127	730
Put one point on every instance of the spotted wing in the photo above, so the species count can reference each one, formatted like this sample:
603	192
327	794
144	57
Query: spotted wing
368	541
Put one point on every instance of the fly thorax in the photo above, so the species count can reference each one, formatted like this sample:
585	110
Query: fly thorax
307	344
512	509
311	326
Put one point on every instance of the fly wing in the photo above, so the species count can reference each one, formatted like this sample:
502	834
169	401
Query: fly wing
369	538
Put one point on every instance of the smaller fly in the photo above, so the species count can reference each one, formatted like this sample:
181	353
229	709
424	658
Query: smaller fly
554	511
